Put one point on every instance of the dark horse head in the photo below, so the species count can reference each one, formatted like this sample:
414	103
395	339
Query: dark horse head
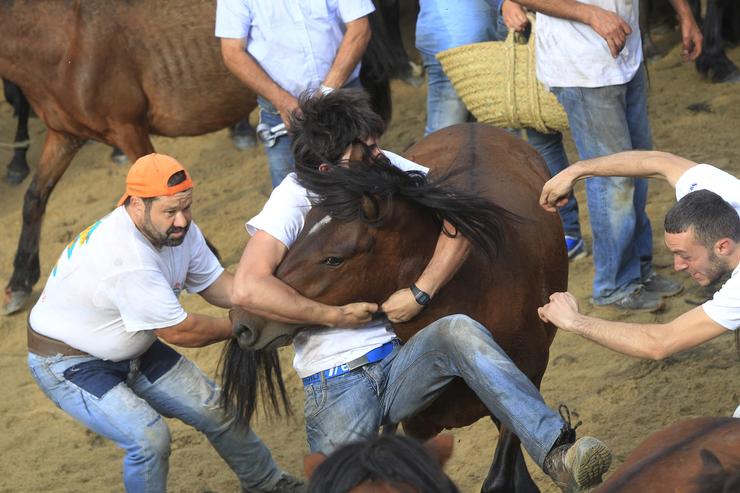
373	229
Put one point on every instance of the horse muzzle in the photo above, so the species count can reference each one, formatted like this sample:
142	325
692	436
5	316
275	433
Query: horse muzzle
257	333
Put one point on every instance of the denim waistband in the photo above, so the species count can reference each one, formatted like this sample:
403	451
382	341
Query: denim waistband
372	356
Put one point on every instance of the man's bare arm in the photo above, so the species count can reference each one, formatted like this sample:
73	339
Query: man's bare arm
607	24
449	255
252	75
691	36
350	52
197	331
653	341
219	292
639	164
257	290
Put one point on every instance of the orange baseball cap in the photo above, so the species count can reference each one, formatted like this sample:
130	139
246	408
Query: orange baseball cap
149	174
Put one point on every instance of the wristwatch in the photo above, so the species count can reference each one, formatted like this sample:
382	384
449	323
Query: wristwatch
421	297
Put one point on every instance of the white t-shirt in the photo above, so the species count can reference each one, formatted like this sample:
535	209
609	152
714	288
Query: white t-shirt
317	349
724	307
572	54
294	41
111	287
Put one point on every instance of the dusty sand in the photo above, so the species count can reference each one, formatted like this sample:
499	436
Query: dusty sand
619	399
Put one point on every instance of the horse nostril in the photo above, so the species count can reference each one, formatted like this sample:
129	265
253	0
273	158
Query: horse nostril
245	336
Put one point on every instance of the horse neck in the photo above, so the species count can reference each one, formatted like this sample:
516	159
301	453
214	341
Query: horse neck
23	24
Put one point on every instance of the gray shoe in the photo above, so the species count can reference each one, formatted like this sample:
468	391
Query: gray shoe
640	300
289	484
578	466
662	285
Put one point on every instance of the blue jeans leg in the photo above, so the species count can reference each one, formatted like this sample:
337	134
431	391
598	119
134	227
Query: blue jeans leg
279	156
444	106
550	147
457	346
603	121
186	393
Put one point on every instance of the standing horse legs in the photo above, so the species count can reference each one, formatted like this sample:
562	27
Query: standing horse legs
713	57
18	167
58	151
508	472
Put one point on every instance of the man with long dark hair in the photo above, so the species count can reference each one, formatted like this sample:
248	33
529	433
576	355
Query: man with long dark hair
356	379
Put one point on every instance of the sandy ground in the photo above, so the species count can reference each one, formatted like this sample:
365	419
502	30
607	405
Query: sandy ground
619	399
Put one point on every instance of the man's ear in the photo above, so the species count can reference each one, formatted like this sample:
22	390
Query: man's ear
323	167
311	462
440	447
724	246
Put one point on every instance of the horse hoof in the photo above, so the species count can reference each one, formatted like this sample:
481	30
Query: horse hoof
731	78
15	177
15	301
244	141
118	157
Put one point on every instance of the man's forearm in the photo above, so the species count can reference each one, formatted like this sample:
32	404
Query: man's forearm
638	164
631	339
349	54
251	74
197	331
449	255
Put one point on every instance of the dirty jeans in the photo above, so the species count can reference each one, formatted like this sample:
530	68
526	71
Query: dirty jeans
605	120
126	401
353	406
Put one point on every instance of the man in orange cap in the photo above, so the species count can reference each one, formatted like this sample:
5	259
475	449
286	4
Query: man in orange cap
94	335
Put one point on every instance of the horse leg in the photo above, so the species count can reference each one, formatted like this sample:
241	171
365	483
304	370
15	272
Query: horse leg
713	58
58	151
649	50
243	135
508	472
18	167
132	140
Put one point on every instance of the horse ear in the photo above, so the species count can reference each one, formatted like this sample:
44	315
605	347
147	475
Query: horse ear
712	465
370	208
311	462
440	447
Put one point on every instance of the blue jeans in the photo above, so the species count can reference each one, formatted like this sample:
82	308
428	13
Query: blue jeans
353	406
125	402
605	120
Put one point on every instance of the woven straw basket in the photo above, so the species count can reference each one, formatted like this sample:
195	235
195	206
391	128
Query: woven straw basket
497	82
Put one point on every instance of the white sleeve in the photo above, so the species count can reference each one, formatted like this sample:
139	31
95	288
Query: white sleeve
203	267
724	307
350	10
233	19
404	164
283	216
707	177
144	299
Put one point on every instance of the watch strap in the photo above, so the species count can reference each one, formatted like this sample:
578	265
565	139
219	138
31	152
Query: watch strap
421	297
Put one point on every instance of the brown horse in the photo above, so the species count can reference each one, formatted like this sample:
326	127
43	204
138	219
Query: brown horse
117	72
696	456
502	292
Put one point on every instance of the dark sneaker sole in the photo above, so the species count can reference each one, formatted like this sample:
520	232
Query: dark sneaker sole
665	294
592	459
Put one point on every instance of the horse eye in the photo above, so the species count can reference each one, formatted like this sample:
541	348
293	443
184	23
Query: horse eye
333	261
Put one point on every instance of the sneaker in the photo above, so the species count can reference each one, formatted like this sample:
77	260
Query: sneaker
662	285
289	484
640	300
578	466
576	247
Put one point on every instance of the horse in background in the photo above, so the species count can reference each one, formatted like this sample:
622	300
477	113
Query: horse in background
700	455
17	169
117	72
383	464
485	182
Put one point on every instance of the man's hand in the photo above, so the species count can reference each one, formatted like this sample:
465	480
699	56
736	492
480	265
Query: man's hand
401	306
611	27
561	311
285	106
355	314
515	16
691	38
556	191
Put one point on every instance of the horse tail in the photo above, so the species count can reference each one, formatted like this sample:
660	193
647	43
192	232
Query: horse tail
246	373
379	65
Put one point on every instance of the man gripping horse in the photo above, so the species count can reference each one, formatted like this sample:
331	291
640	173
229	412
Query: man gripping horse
702	231
95	336
350	353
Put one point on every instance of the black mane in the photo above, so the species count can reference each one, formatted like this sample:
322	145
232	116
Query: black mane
340	191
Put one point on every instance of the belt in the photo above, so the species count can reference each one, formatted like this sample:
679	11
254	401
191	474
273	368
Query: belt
46	346
373	356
